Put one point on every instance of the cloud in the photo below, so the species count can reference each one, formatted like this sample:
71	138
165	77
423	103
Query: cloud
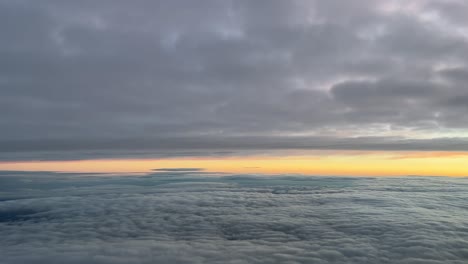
184	170
214	146
234	219
84	74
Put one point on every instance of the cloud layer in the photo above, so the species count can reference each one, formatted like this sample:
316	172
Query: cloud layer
149	70
181	218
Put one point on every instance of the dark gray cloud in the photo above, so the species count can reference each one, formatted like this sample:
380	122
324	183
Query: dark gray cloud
214	146
184	170
114	70
60	218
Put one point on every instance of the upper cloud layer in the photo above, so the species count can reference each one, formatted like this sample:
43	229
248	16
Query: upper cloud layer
145	69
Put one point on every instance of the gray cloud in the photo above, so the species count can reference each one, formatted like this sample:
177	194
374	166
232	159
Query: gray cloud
114	69
184	170
214	146
55	218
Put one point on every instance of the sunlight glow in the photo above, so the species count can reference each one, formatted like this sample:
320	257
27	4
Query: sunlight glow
326	163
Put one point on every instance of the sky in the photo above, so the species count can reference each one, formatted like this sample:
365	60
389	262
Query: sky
358	87
231	131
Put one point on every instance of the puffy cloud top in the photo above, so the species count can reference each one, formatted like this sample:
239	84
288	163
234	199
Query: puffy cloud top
167	218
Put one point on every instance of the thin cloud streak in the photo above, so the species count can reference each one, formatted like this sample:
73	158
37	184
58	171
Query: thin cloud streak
213	146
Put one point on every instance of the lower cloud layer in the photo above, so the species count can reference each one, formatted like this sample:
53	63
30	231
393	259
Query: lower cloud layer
181	218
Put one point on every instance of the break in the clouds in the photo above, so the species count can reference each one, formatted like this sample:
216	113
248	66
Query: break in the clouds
94	73
59	218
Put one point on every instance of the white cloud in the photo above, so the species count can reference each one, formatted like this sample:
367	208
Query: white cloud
235	219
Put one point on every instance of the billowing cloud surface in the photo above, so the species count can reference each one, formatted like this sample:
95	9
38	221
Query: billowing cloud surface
85	76
58	218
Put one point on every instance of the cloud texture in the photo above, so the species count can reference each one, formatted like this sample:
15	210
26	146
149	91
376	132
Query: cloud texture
182	218
97	71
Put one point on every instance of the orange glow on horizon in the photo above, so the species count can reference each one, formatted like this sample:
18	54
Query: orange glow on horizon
342	164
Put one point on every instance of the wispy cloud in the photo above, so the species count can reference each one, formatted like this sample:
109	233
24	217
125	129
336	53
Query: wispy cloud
179	169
